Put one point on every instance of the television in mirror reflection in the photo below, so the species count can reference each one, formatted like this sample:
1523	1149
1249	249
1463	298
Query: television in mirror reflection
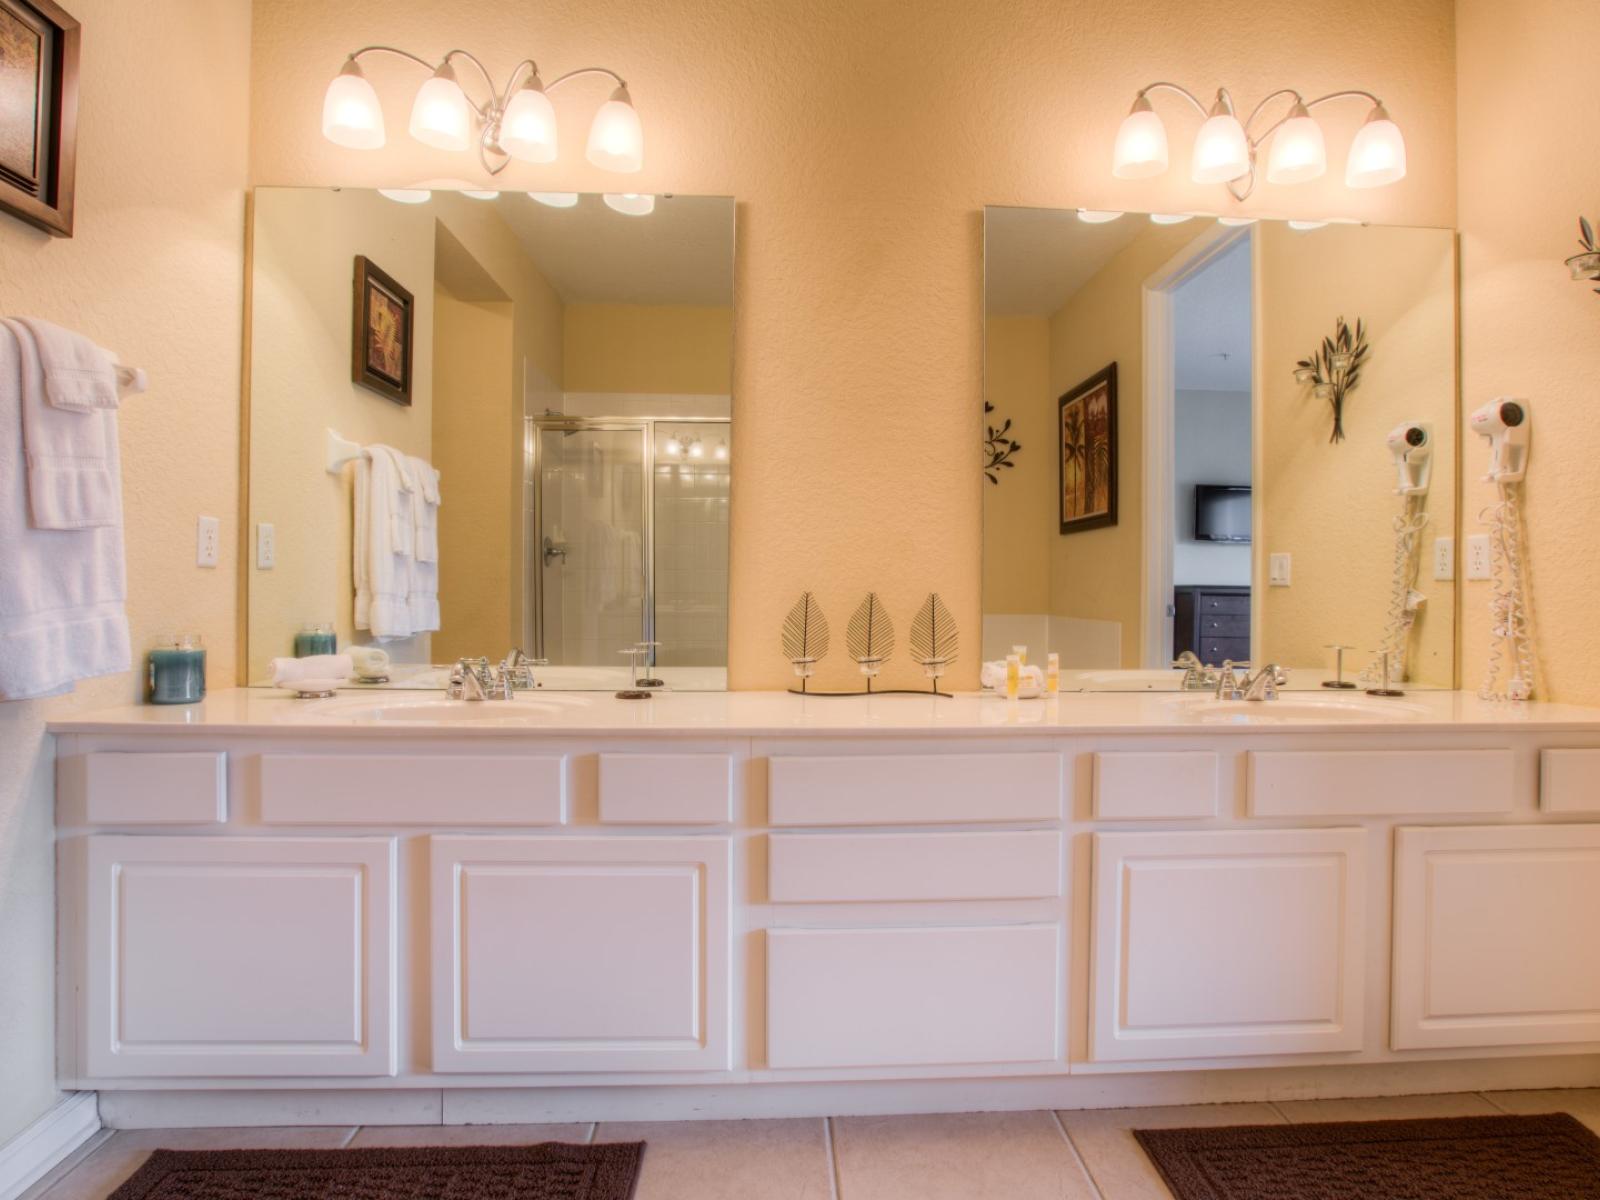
1245	529
571	378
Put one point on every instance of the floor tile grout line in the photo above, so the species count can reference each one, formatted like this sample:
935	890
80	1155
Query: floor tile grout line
835	1186
1490	1101
1282	1116
1077	1154
594	1130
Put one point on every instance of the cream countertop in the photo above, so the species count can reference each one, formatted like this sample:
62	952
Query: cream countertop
256	710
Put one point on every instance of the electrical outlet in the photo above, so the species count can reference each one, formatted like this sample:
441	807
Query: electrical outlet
1479	561
266	547
1444	558
208	542
1278	570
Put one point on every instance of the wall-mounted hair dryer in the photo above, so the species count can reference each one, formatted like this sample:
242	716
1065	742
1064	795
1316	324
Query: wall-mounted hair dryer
1505	423
1411	444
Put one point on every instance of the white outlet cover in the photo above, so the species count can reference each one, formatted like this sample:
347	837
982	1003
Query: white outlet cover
1278	570
1444	558
208	538
1480	560
266	547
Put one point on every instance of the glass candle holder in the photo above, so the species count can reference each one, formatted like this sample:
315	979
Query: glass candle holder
315	639
177	670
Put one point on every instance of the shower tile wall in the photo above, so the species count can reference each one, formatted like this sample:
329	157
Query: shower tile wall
691	519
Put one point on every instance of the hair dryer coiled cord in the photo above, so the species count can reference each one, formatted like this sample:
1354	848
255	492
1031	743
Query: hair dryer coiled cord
1404	598
1511	624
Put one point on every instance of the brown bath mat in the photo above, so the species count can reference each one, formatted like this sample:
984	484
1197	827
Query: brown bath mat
551	1171
1550	1157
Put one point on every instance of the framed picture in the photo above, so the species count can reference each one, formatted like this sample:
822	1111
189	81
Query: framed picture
1087	428
380	354
38	113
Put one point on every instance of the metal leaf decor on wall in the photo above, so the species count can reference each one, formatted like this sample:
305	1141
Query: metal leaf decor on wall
934	640
870	636
1586	266
1335	368
805	635
997	447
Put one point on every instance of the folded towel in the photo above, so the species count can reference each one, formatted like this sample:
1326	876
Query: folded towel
78	375
286	672
424	509
382	549
993	675
370	661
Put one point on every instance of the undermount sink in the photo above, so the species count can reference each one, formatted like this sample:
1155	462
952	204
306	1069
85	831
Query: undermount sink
1306	708
521	711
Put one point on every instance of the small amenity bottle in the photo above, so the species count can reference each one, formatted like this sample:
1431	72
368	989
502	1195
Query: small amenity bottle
1022	654
315	639
1052	674
1013	676
178	670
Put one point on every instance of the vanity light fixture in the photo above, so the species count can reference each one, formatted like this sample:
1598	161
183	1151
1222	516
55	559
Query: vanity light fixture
516	122
1305	226
406	195
1171	218
630	204
720	453
555	199
673	447
1095	216
1225	150
1236	221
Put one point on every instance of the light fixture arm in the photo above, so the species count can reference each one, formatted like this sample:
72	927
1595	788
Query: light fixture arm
560	79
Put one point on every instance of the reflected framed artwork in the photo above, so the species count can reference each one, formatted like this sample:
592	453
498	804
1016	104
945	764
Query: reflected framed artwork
38	113
380	356
1086	430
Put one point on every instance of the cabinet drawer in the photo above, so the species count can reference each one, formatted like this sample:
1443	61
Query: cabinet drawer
1569	781
433	789
1216	651
805	868
666	789
913	997
146	789
1209	603
1135	786
907	789
1350	783
1225	625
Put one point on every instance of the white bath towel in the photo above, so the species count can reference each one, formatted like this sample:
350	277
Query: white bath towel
78	375
62	588
382	549
422	594
286	672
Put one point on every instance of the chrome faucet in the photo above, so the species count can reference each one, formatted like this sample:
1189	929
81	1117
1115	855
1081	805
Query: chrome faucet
1197	677
1228	683
477	679
1264	684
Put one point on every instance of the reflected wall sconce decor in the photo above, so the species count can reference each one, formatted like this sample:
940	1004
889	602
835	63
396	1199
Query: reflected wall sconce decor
1225	149
998	446
517	121
1335	369
1587	264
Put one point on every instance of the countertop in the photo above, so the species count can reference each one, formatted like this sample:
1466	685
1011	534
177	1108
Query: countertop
749	714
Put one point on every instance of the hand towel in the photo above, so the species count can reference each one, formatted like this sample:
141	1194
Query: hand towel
61	589
424	509
993	675
369	661
78	375
382	560
286	672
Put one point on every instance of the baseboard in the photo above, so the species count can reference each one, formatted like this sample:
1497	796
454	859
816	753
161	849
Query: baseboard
33	1153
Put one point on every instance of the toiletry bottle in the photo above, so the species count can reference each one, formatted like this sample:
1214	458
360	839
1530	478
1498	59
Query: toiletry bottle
1013	676
177	672
1052	674
1022	655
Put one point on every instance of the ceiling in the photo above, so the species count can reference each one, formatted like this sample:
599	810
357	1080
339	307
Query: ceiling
1211	325
682	253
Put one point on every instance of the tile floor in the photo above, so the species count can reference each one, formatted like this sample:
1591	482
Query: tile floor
1088	1155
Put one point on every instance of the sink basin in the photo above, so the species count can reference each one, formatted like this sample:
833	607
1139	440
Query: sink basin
1297	708
524	710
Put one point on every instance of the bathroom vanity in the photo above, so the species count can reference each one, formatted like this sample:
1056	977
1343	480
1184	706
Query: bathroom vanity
752	903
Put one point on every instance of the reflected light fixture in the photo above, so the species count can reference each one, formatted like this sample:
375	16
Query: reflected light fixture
720	452
1097	216
1305	225
630	204
410	195
555	199
1237	220
1171	218
517	121
1225	149
673	447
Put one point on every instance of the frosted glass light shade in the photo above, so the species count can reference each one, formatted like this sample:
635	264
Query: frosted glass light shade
528	128
441	117
1170	218
406	195
1378	155
630	204
1221	151
555	199
351	116
616	139
1141	148
1299	153
1097	216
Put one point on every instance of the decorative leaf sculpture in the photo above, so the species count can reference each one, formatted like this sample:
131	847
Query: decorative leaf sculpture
1335	369
805	634
1586	265
870	635
997	447
934	640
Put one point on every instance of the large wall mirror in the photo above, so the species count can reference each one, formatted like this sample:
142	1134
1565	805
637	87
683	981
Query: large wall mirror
1207	464
480	422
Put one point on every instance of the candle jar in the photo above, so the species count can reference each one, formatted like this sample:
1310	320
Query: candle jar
177	670
315	639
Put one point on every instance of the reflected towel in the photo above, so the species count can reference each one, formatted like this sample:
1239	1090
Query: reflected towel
286	672
993	675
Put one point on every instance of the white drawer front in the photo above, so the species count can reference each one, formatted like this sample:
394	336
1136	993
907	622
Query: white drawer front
1495	936
111	788
818	867
1569	781
439	789
1214	944
904	997
914	789
1137	786
1354	783
666	789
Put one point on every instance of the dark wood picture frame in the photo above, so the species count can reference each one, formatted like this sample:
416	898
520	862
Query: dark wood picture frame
39	42
383	310
1087	440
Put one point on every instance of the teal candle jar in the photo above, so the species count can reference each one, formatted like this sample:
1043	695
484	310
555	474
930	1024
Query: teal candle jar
178	670
315	639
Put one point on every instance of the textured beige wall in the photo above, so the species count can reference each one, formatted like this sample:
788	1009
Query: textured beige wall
155	272
1332	506
680	349
306	241
1529	145
862	140
1019	526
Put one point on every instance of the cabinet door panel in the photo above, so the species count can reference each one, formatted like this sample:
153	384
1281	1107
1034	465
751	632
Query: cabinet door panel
1227	943
1494	936
212	957
578	954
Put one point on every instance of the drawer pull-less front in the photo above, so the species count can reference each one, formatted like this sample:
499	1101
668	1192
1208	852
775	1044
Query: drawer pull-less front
158	788
914	789
434	789
806	868
1354	783
1143	785
666	789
